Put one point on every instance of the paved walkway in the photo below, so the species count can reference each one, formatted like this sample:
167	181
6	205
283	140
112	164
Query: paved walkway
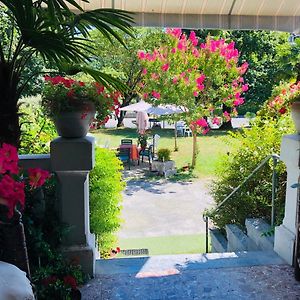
243	283
162	207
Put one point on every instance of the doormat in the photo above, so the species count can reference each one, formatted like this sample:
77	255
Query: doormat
134	252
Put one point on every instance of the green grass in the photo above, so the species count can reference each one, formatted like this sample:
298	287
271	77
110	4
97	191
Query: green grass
175	244
211	146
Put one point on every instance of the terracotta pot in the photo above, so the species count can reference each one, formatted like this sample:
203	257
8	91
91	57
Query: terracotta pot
295	113
75	124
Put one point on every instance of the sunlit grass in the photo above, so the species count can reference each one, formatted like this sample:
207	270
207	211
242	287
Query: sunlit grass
211	146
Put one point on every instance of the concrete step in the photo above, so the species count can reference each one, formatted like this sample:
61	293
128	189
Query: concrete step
238	240
161	265
218	241
256	231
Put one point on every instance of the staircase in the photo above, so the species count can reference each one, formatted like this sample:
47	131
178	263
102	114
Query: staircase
256	238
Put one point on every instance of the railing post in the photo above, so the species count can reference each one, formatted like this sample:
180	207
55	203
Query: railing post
274	188
206	234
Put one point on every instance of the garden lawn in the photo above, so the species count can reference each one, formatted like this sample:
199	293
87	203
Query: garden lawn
211	146
165	245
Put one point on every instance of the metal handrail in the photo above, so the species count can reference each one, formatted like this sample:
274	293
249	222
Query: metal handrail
275	158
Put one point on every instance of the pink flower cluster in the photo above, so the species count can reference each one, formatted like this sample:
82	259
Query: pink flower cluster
182	64
12	184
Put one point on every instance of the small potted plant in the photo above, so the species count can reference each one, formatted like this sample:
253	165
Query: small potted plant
142	141
286	99
295	104
164	165
73	105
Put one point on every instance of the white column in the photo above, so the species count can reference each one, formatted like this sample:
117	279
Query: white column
285	233
71	160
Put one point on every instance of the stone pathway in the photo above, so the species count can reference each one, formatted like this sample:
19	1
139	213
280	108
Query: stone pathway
242	283
160	207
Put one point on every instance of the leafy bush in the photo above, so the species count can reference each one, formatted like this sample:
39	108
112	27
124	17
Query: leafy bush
37	129
105	198
164	154
254	199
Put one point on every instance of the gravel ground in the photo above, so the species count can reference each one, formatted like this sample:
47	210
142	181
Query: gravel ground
247	283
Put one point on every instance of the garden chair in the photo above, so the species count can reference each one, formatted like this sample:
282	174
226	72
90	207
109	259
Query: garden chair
126	142
148	152
187	131
180	128
156	138
124	156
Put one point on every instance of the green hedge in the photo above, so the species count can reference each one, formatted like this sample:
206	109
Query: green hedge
106	186
254	199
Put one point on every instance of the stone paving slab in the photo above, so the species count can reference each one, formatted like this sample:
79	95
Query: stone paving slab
163	208
246	283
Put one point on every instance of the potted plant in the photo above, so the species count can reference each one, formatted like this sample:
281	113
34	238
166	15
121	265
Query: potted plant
295	104
142	141
164	165
73	105
285	99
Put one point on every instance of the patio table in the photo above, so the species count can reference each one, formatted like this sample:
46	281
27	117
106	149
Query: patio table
134	151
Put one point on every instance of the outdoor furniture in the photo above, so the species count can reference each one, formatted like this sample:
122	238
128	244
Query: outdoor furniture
154	122
179	127
187	131
133	151
124	155
148	152
126	142
156	138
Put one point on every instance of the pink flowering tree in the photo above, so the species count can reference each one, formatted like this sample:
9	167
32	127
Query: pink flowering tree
200	77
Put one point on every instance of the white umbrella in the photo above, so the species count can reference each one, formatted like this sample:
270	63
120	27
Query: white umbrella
163	110
139	106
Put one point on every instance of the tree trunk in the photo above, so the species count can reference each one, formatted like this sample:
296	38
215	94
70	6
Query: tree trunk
175	137
195	149
121	118
10	131
126	101
226	125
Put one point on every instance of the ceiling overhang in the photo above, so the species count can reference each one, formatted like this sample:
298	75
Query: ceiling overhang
282	15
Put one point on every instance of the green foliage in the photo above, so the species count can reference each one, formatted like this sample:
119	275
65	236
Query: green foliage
142	140
38	130
58	280
51	274
105	198
164	154
254	199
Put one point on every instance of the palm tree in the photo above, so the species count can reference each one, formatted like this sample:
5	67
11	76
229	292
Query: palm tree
56	30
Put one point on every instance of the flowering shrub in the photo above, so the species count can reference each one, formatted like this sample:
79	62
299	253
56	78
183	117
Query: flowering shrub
202	78
64	94
282	98
12	181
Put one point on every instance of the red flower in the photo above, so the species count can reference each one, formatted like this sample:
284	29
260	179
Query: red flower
37	177
282	110
49	280
70	281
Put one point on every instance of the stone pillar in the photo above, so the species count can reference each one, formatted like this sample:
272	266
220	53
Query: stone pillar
72	159
285	234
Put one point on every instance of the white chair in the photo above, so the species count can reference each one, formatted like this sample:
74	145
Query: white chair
187	131
156	138
180	128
